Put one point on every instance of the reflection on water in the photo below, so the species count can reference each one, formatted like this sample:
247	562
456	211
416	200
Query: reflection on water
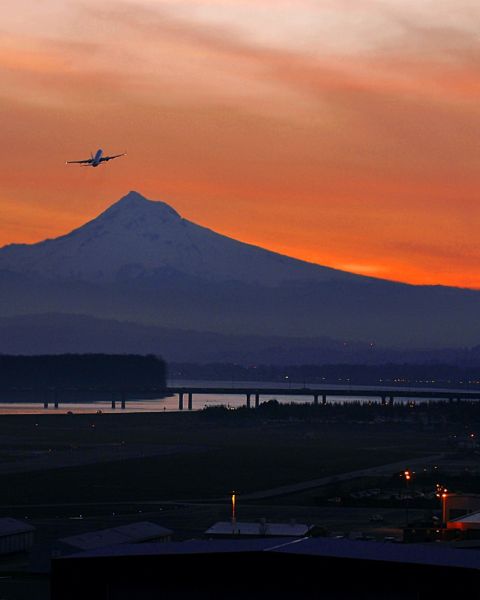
15	406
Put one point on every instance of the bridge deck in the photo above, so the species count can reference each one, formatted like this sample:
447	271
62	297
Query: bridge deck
304	391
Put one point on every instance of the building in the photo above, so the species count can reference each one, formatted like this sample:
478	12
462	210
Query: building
15	536
467	527
133	533
267	569
458	520
458	505
228	529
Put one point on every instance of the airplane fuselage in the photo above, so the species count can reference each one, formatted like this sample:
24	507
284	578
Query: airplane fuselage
97	158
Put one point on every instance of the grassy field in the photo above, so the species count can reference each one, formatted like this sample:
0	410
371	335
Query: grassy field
212	456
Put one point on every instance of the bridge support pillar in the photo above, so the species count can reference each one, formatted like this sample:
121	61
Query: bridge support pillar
384	400
315	399
249	404
190	401
114	404
55	399
391	400
123	401
45	404
257	400
180	401
324	399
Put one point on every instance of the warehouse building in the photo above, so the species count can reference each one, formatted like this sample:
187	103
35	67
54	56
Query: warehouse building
267	569
133	533
458	505
15	536
262	529
467	526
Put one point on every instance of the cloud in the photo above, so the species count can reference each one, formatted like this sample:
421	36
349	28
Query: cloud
270	121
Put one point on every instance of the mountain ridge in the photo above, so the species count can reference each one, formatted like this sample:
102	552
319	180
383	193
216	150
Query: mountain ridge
140	261
142	233
76	333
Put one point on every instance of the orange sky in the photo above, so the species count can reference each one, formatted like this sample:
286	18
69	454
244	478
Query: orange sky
344	132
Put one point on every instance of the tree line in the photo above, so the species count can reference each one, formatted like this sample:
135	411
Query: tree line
429	374
82	370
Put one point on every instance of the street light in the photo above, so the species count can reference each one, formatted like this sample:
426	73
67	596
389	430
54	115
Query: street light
442	494
408	475
234	512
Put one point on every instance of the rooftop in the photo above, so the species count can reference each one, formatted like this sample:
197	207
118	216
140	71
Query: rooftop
421	554
9	526
259	529
125	534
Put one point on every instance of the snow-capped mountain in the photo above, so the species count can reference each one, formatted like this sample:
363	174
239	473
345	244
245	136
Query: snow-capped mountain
141	262
137	237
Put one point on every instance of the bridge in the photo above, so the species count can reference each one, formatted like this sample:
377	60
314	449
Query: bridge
252	395
318	395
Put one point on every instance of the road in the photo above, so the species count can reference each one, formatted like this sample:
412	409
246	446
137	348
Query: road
387	469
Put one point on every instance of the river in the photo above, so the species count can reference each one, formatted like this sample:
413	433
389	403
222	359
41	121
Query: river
200	401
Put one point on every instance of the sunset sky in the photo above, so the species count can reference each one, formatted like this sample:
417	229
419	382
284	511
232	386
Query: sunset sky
343	132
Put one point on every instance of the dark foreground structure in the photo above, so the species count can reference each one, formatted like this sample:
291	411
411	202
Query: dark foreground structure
308	568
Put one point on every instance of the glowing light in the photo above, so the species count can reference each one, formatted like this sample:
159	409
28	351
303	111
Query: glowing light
234	516
442	493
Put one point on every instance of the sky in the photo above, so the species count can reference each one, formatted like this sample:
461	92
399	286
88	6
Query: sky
342	132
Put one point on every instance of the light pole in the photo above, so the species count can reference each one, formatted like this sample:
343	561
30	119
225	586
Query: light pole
234	513
442	494
408	475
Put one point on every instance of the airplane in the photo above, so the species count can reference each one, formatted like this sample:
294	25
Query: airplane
96	160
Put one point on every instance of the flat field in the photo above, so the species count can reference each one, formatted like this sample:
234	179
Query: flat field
185	456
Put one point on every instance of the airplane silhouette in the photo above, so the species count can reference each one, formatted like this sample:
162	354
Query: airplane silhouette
96	160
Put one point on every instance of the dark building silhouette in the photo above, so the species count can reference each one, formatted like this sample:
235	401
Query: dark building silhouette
267	569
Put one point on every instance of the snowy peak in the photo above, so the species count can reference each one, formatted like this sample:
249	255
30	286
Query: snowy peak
134	204
133	220
133	212
140	238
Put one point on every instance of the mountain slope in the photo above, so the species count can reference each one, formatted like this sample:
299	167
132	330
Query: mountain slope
137	237
139	261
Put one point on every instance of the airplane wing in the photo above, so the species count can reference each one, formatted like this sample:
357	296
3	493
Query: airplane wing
88	160
110	157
